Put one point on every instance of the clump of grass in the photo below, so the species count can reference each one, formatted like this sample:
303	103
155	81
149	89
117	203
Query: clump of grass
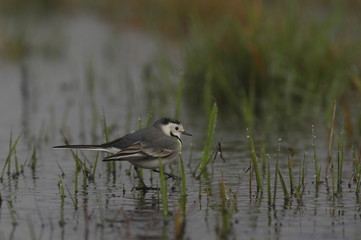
254	162
12	150
223	57
301	180
210	134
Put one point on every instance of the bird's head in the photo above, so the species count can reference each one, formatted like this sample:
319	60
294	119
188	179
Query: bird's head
171	127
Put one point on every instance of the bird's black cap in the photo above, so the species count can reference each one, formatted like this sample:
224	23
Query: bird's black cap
165	121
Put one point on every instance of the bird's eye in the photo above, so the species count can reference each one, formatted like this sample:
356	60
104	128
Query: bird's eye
177	128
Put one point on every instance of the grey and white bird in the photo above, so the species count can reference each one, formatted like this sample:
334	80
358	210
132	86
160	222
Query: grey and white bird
143	148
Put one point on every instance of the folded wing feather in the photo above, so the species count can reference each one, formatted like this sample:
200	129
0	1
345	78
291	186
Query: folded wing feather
139	151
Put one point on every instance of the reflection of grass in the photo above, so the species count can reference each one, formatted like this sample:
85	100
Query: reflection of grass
227	208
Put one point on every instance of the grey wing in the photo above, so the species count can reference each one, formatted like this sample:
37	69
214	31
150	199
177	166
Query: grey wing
140	151
125	141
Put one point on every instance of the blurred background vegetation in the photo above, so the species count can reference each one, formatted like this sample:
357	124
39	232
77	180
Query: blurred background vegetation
271	63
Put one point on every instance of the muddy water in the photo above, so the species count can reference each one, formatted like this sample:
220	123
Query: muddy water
47	94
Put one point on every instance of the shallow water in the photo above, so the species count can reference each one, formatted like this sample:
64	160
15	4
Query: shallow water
45	97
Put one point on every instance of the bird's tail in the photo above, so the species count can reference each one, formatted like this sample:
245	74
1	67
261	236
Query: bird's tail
83	147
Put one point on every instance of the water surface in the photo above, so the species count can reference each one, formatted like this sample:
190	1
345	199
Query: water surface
46	96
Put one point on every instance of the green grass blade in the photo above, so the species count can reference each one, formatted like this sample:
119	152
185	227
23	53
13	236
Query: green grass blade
12	149
276	174
340	160
315	158
269	194
210	135
284	187
10	146
255	166
290	171
333	178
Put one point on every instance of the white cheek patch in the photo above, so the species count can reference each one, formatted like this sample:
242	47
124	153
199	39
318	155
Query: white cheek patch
166	129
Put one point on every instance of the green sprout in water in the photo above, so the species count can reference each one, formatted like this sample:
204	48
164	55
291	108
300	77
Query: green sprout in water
315	159
12	150
209	139
254	162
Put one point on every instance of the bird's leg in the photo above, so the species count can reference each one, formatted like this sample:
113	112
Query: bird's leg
143	186
140	177
168	174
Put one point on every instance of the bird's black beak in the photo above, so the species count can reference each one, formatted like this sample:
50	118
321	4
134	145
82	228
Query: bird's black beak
185	133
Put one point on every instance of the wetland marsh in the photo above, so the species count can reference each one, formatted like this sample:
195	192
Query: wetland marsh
242	179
